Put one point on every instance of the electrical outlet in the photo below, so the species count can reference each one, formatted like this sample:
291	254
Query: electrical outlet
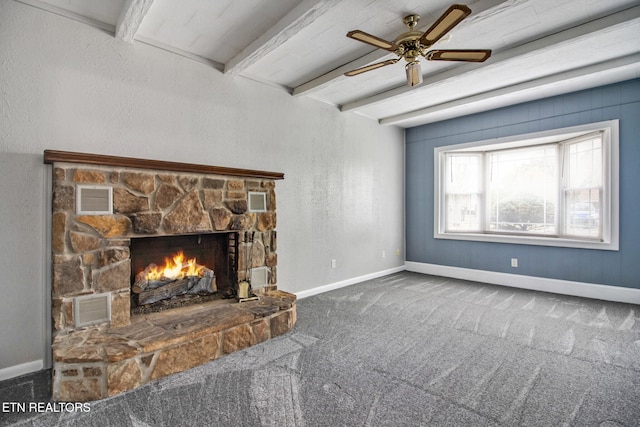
397	252
514	262
384	254
333	263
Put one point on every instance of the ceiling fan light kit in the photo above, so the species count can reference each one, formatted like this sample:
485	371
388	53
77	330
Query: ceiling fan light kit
413	44
414	73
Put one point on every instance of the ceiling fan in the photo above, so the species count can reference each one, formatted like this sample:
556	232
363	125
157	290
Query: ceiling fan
413	44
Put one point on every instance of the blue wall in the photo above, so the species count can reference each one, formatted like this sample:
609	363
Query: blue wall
619	268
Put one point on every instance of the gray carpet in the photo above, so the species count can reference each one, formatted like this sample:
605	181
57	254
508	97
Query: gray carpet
404	350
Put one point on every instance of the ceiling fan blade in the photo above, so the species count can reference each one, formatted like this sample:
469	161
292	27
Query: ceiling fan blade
372	40
467	55
371	67
444	24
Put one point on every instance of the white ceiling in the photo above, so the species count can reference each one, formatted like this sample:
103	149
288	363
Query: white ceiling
540	47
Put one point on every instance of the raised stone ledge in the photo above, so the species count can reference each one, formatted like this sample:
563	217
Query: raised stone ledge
100	362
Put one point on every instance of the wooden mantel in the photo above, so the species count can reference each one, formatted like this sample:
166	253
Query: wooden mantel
51	156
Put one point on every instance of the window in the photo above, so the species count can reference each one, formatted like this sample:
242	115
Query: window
557	188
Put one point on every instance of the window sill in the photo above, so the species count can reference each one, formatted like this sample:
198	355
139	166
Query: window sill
530	240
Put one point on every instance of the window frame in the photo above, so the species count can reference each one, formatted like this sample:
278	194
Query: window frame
610	186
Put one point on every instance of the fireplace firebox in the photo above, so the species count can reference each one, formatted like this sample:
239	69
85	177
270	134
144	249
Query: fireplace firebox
213	253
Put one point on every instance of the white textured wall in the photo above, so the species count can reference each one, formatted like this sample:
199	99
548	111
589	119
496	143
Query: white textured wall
67	86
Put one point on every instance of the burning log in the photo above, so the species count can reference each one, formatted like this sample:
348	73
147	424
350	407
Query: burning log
206	284
150	291
169	290
141	283
176	278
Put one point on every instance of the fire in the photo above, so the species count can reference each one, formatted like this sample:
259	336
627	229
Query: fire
174	268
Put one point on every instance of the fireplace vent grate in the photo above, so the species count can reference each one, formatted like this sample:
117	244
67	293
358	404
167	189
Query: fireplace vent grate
257	202
92	309
259	277
94	200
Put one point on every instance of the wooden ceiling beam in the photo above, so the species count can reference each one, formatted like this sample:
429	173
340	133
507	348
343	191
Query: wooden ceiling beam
291	24
131	16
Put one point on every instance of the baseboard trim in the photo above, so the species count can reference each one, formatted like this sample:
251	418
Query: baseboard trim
22	369
564	287
343	283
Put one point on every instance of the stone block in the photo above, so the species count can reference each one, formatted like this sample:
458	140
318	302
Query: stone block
107	225
212	198
166	178
188	216
257	254
88	258
64	198
186	356
238	338
58	231
59	174
213	183
67	310
281	323
118	351
83	176
61	313
146	222
123	376
280	299
113	277
235	195
82	242
166	196
271	201
70	352
272	259
56	314
126	202
141	182
238	206
242	222
188	182
235	184
266	221
120	309
253	185
221	218
261	330
68	277
112	255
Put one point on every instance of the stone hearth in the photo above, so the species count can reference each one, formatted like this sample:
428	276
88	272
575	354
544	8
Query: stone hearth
91	266
96	363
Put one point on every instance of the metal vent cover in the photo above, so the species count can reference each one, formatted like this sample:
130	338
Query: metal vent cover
257	202
94	200
259	277
92	309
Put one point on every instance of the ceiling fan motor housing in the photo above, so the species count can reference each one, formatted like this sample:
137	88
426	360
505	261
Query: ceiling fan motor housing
409	45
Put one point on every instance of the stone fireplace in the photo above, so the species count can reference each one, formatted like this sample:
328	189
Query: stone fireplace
114	217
